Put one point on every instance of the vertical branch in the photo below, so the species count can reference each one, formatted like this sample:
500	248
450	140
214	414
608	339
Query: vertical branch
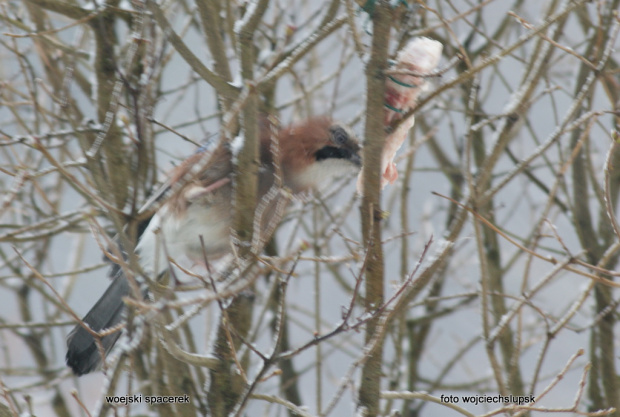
604	387
248	159
226	383
105	70
317	310
371	202
289	379
209	14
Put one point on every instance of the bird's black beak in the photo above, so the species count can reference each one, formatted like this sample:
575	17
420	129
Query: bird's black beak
356	158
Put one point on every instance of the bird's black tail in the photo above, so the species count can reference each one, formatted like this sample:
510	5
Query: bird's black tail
82	352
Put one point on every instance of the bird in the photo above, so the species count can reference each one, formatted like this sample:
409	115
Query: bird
195	219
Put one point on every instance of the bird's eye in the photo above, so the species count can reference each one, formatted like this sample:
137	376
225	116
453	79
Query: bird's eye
339	135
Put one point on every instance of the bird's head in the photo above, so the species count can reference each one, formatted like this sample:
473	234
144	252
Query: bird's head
314	152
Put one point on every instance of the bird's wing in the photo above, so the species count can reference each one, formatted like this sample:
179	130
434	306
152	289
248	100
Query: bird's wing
205	169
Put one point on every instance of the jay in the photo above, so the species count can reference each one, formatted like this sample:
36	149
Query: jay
310	154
